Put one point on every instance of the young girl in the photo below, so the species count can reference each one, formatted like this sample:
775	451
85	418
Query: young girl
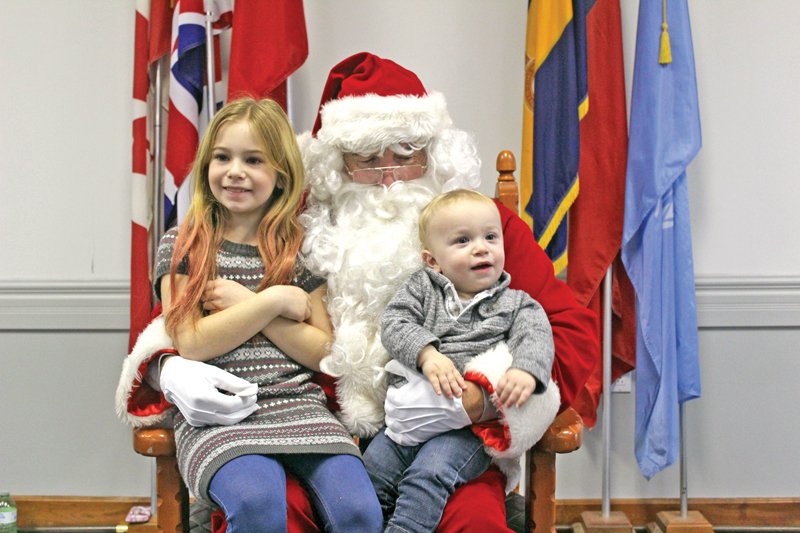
267	325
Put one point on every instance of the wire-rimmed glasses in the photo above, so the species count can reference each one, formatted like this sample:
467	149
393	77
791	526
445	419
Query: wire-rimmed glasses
373	176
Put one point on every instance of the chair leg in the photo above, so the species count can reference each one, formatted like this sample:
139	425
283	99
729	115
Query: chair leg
173	497
541	502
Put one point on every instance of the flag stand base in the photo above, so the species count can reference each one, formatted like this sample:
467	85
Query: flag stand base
672	522
595	522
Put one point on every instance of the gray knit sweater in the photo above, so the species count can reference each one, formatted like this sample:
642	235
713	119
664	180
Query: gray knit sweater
292	417
426	310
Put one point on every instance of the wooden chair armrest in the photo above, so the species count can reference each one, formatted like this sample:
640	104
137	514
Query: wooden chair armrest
154	442
564	435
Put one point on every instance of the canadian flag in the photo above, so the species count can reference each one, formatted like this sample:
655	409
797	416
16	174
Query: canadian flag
151	42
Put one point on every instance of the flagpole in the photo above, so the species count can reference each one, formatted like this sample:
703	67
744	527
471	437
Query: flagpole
605	521
158	171
685	520
606	505
157	229
684	470
210	74
289	112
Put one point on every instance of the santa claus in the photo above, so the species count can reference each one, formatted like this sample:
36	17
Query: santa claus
382	147
361	222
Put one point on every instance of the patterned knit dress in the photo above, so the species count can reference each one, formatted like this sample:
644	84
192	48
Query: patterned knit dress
292	415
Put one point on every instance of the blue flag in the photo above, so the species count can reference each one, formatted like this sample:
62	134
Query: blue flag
656	240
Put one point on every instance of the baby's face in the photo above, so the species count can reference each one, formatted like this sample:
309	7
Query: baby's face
466	246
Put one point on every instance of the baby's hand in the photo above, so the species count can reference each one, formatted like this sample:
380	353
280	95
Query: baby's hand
516	386
221	294
441	372
295	302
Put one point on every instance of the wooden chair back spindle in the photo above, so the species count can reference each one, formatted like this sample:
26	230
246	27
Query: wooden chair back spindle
507	190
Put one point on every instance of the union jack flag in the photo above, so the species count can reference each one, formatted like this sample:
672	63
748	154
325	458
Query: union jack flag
186	91
269	44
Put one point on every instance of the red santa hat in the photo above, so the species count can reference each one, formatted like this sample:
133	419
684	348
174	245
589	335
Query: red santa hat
370	103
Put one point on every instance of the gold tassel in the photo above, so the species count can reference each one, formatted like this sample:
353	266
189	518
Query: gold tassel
665	57
666	54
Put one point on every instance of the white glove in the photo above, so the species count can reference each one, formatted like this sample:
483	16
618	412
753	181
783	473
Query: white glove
192	387
415	413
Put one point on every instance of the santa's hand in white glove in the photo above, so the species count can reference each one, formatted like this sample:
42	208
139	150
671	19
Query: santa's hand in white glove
194	388
415	413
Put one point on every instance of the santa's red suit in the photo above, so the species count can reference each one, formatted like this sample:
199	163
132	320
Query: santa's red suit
363	240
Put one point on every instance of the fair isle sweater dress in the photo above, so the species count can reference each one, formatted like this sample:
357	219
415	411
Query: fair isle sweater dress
292	415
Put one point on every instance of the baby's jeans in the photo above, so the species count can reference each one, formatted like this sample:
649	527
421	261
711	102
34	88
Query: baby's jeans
413	483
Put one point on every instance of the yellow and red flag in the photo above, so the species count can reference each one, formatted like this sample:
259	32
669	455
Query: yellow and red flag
555	101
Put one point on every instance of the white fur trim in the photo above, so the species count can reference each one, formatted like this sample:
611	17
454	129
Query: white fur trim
153	339
370	123
512	470
526	424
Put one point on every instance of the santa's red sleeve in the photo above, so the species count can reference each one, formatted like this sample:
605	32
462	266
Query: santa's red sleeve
574	327
137	403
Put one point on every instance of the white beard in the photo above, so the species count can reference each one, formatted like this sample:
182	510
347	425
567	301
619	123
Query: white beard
366	244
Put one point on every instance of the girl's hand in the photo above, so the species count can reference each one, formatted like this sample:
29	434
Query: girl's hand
295	303
221	294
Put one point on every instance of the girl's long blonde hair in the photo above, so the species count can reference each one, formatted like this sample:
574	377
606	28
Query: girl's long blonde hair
280	235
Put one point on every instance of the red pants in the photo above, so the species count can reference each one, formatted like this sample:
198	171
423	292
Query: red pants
477	507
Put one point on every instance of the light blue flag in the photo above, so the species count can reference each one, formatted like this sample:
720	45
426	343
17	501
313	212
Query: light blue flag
656	240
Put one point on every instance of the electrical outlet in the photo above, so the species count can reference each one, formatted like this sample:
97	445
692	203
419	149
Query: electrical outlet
623	383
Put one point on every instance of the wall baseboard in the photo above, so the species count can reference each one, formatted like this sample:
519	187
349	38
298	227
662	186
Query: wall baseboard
720	512
79	511
73	511
722	302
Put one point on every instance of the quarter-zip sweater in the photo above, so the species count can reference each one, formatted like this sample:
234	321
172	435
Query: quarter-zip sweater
426	310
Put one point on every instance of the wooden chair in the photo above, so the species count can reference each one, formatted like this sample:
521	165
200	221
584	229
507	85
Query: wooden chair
564	435
535	514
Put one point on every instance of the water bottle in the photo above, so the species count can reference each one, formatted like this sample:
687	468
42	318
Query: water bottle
8	513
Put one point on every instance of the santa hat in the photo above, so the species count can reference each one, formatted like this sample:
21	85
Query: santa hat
370	103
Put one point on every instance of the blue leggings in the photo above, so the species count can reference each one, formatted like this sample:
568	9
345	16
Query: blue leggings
251	490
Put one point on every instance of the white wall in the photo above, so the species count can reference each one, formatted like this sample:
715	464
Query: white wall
65	140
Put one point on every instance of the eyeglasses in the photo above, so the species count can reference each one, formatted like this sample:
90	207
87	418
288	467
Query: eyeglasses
373	176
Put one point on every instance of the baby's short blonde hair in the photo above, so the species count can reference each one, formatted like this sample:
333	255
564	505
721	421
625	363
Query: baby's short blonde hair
443	200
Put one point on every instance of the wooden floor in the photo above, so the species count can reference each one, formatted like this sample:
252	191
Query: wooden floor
729	515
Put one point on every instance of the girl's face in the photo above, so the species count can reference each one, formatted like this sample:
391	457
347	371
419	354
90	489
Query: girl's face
238	174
